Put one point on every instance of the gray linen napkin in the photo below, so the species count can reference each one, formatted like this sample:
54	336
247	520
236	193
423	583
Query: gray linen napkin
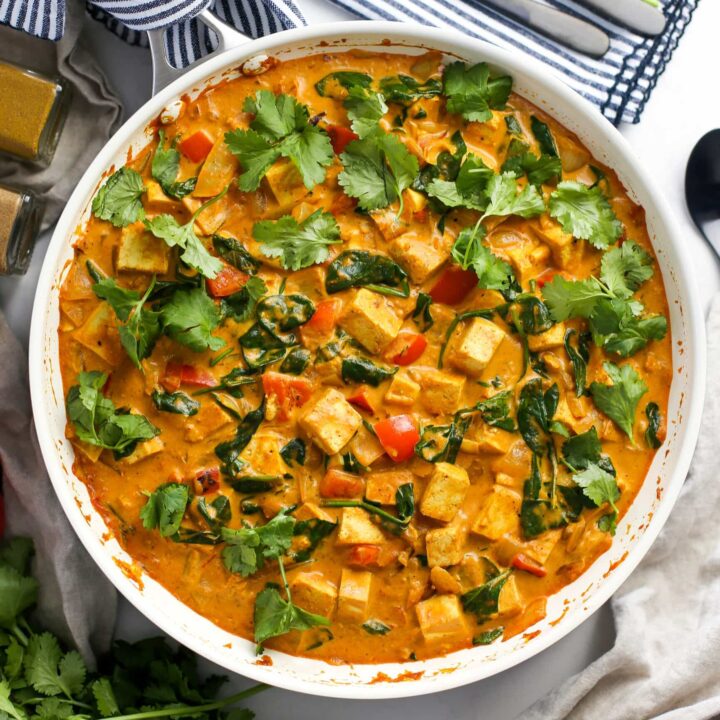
94	113
666	659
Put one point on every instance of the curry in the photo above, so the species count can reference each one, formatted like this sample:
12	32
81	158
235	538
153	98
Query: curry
364	356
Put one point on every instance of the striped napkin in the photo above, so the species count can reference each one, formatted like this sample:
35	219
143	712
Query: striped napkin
619	83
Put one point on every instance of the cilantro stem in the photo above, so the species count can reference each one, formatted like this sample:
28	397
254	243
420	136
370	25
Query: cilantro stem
67	701
20	635
208	203
369	507
189	710
214	361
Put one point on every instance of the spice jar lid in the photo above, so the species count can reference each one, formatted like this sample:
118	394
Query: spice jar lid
20	216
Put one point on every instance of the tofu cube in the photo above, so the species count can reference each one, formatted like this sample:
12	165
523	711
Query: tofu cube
494	440
381	487
263	455
564	415
156	196
211	219
356	528
403	390
442	620
561	243
312	511
314	593
388	223
330	421
444	546
472	349
91	452
370	320
445	492
354	595
509	601
144	450
140	251
552	338
210	418
286	184
441	391
418	257
366	447
498	514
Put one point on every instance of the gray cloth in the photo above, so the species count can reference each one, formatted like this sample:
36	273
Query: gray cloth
76	601
666	659
94	113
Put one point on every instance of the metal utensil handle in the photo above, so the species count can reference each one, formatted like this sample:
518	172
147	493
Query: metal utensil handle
164	73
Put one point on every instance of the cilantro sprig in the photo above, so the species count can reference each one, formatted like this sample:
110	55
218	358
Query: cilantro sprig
165	168
118	199
189	317
280	128
473	92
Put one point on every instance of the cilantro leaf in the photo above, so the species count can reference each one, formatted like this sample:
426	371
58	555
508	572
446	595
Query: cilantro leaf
7	707
118	199
249	547
165	508
49	671
624	269
617	329
619	401
539	170
469	252
96	420
139	328
274	616
189	317
297	245
104	695
281	127
17	594
572	298
469	189
585	213
473	92
365	110
376	169
504	198
165	167
483	600
600	486
581	450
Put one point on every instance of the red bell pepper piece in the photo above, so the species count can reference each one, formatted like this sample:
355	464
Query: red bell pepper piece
398	436
360	400
545	277
523	562
208	479
364	555
196	147
324	318
340	484
340	137
177	374
290	391
227	282
453	285
407	348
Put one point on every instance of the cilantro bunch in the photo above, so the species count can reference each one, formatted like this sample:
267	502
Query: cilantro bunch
40	679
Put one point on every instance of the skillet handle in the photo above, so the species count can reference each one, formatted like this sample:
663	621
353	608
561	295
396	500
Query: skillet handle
164	73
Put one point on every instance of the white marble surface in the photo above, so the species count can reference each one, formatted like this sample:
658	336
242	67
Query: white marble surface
685	105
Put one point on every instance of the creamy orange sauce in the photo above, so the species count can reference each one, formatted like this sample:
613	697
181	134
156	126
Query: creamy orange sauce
400	578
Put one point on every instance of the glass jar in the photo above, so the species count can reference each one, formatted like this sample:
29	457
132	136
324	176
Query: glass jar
32	113
20	216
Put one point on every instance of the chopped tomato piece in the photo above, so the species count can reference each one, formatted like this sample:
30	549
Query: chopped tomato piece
364	555
343	203
197	146
227	282
523	562
545	277
324	318
290	391
407	348
177	374
208	480
420	216
453	285
360	399
340	137
398	436
340	484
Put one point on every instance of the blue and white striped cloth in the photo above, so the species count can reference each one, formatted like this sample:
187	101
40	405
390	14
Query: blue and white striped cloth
619	83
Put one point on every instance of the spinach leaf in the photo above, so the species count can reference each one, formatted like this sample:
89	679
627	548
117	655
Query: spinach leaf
177	402
295	362
362	370
538	170
513	126
534	315
241	305
279	315
483	600
250	484
294	452
579	358
358	268
165	508
98	422
652	412
216	513
544	136
314	531
405	90
495	411
536	408
581	450
331	84
489	636
375	627
118	199
165	167
441	443
421	314
235	253
405	502
229	452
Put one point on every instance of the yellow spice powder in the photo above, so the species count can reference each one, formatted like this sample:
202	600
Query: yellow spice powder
9	207
27	100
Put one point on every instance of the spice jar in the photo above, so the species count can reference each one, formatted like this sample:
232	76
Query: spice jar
32	113
20	216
